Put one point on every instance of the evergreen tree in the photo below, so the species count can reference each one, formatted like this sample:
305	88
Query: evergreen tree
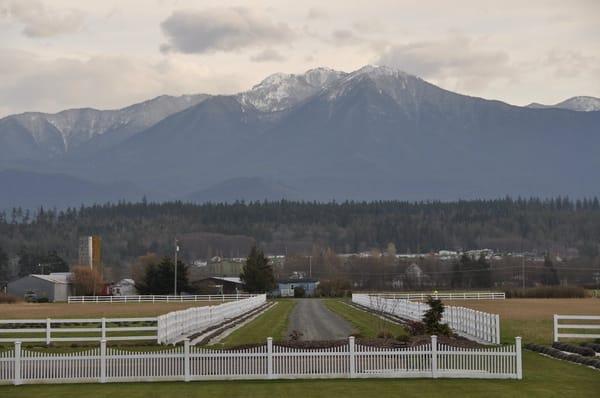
550	277
257	273
3	266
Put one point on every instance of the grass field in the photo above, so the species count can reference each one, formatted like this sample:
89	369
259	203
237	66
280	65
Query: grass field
272	323
531	318
92	310
366	325
544	377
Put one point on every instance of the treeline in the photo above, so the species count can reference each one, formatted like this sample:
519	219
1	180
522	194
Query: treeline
129	230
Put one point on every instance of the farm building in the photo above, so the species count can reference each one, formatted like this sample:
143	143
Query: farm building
54	287
285	287
124	287
220	285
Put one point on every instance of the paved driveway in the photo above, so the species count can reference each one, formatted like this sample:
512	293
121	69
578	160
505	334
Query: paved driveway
316	322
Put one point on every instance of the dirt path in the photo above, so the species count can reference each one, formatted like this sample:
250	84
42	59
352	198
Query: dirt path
312	318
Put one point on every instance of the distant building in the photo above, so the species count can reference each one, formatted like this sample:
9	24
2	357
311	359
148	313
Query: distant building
124	287
220	285
54	287
90	251
285	287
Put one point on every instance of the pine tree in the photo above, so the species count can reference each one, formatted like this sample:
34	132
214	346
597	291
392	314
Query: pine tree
257	273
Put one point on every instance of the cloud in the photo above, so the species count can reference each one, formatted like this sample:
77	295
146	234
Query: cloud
455	58
33	83
317	13
220	29
39	21
268	55
344	37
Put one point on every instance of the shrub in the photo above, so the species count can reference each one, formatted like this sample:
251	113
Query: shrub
547	292
404	338
433	318
385	334
334	288
299	292
593	346
585	351
8	299
415	328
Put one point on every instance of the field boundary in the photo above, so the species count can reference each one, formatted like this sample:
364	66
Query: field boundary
579	326
158	298
266	362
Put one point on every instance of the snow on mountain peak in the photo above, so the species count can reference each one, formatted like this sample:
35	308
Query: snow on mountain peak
281	91
580	104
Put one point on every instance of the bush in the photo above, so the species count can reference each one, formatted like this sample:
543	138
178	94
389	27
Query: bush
404	338
299	292
385	334
42	300
593	346
334	288
585	351
415	328
547	292
8	299
433	318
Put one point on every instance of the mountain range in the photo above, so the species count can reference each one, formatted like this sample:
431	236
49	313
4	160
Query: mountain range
375	133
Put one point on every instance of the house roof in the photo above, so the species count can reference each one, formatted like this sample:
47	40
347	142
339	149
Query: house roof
230	279
302	280
55	277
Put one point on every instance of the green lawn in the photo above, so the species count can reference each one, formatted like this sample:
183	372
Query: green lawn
366	324
544	377
272	323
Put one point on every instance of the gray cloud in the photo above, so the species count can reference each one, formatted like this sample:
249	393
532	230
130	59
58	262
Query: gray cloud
317	13
268	55
39	21
220	29
456	58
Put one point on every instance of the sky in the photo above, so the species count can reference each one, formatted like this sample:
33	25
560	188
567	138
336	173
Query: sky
108	54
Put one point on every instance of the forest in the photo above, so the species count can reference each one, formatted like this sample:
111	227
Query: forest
560	226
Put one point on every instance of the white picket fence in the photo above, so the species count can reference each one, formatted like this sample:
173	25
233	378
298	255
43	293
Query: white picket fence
577	326
157	298
72	330
422	296
187	363
177	325
469	323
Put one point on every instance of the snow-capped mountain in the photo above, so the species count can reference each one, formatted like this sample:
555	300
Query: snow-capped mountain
49	135
581	103
282	91
375	133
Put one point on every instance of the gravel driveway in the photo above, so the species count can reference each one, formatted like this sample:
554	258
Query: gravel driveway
312	318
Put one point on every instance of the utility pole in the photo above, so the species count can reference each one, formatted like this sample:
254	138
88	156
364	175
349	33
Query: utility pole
175	278
523	269
310	266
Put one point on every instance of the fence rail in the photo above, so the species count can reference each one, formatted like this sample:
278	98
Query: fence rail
60	330
157	298
270	361
177	325
576	326
472	324
447	296
164	329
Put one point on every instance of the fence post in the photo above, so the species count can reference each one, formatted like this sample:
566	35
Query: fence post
519	358
103	361
186	358
555	328
48	331
434	358
270	357
497	318
103	328
17	381
352	346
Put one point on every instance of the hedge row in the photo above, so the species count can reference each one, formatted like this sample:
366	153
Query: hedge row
593	346
553	352
585	351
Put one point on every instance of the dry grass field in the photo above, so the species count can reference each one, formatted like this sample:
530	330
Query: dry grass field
91	310
531	318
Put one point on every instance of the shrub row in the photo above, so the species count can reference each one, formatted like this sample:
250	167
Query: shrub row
553	352
593	346
585	351
8	299
547	292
